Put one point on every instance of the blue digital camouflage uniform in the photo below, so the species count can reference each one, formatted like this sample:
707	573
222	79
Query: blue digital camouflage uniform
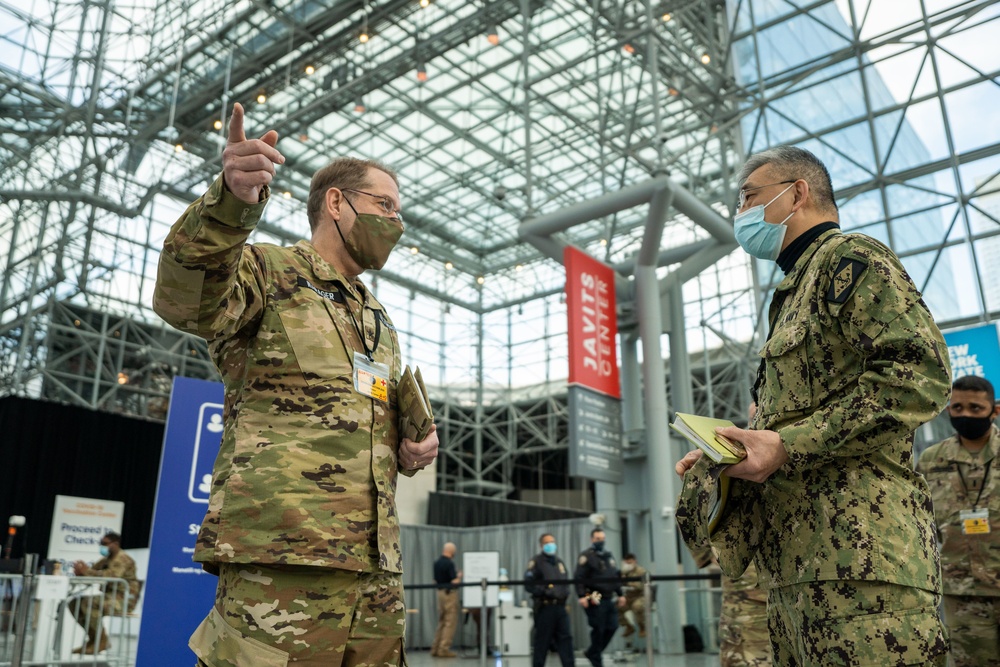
842	533
306	472
970	561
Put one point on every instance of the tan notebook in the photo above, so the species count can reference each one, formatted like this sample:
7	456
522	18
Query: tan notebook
415	414
700	432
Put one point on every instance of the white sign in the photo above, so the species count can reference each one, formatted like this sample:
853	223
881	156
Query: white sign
476	566
78	524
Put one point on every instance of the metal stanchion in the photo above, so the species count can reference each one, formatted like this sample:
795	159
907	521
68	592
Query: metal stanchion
647	598
482	625
21	619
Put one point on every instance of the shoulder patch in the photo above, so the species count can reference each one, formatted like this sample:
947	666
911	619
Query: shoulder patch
583	560
844	279
562	568
531	564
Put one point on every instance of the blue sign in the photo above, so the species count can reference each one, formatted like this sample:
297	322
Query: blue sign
975	352
178	593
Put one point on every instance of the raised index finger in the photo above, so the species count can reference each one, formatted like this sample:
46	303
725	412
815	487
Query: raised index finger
236	133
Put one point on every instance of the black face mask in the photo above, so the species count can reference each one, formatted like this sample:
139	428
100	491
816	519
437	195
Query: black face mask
971	428
598	546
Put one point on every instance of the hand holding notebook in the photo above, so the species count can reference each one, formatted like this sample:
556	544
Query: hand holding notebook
415	415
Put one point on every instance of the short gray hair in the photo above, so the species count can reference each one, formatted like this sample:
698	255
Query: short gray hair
791	162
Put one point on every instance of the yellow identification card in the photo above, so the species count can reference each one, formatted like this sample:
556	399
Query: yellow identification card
975	522
370	378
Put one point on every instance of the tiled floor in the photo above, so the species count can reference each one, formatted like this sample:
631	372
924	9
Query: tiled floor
424	659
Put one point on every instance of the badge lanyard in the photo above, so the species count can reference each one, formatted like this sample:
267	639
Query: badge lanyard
364	341
965	487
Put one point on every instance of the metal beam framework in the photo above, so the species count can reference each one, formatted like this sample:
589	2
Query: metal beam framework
108	112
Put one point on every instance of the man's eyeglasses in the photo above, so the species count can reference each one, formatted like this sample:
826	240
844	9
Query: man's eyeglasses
384	202
743	193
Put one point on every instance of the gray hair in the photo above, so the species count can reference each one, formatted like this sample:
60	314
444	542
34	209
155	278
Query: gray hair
791	162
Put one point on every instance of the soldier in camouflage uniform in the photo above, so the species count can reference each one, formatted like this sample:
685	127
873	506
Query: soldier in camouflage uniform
827	501
966	492
635	600
301	525
88	610
743	637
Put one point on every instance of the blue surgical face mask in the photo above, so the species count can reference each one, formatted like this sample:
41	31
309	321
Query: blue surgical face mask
105	551
757	236
549	549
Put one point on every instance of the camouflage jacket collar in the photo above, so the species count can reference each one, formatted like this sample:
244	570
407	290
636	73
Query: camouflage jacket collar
323	270
954	451
791	281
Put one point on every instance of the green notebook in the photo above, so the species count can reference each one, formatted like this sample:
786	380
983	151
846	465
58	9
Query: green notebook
700	431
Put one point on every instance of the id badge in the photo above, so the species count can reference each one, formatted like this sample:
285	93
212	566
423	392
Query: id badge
371	378
975	522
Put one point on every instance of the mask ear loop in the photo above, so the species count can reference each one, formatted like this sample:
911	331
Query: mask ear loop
776	198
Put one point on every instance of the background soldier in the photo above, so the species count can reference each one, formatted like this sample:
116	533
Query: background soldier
597	565
966	493
116	564
634	600
544	572
446	577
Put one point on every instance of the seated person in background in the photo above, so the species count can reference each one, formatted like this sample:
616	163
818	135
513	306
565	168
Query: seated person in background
634	600
88	610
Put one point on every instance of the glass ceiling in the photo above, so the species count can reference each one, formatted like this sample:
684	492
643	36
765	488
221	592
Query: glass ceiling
109	130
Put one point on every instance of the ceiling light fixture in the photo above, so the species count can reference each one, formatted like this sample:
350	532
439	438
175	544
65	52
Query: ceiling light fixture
666	17
425	3
310	69
414	250
178	148
493	36
449	266
359	105
705	59
217	124
628	48
480	280
261	96
421	73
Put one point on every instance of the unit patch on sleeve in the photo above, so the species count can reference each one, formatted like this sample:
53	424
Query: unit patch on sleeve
844	279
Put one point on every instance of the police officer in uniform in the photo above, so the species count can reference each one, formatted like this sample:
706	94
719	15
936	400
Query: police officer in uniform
597	565
545	571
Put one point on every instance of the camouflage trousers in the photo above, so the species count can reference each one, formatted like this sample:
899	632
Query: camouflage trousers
638	608
272	617
857	623
90	609
974	624
744	640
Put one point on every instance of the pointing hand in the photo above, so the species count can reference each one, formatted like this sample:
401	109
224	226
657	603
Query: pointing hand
248	164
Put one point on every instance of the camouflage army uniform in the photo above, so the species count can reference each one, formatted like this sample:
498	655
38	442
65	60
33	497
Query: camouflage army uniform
306	472
89	609
844	533
743	635
970	563
635	602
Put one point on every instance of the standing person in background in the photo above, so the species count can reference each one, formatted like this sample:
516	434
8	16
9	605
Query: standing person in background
544	574
965	486
446	577
598	566
301	525
827	502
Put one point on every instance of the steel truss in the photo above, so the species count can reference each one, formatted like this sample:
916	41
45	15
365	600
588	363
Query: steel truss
108	129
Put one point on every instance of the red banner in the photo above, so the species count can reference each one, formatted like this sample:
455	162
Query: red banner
593	325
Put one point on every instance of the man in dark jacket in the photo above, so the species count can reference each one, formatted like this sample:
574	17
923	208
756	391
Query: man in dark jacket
597	565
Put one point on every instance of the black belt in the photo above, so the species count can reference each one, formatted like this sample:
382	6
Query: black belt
549	601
